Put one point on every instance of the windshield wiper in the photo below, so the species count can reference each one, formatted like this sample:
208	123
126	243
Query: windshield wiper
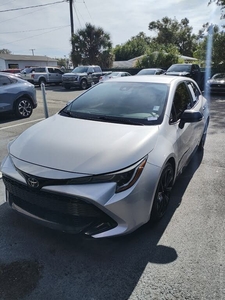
118	120
66	113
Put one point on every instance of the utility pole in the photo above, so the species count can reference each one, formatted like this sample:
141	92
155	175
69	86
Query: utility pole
32	50
71	22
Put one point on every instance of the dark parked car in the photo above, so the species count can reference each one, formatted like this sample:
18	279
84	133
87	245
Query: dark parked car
151	71
16	95
217	83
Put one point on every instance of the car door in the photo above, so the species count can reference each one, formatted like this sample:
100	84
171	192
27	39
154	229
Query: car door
8	93
185	138
51	75
58	75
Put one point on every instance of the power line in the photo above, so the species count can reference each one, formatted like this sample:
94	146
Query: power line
22	15
34	6
22	31
35	35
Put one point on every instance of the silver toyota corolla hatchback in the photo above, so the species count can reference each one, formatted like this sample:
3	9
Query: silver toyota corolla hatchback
106	163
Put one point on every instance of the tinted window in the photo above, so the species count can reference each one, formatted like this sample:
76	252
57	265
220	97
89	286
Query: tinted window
58	71
143	102
27	70
80	70
40	70
91	70
97	69
179	68
182	100
146	72
194	90
219	76
4	80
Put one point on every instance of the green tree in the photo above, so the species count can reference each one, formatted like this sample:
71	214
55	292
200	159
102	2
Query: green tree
62	62
134	47
170	31
159	56
218	54
92	46
5	51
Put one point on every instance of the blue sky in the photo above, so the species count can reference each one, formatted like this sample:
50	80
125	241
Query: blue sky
45	30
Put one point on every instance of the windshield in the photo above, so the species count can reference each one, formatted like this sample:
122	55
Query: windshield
219	76
26	70
140	103
80	70
179	68
146	72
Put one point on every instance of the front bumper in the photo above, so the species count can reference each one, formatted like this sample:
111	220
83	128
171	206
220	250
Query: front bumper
70	82
92	209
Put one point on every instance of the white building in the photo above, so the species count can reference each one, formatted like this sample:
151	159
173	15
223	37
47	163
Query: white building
11	61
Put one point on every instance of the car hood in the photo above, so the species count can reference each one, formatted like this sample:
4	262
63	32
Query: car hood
83	146
178	73
73	74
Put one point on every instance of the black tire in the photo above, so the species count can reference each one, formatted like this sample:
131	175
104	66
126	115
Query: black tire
41	80
83	84
23	107
162	194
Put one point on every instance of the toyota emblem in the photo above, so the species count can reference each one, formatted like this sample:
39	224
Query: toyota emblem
32	182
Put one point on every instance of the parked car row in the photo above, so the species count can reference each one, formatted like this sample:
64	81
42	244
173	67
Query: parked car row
84	76
19	96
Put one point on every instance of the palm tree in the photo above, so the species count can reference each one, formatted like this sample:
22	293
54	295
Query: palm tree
91	45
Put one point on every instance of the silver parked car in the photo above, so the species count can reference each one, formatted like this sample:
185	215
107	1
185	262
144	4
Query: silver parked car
216	84
151	71
113	75
16	95
106	163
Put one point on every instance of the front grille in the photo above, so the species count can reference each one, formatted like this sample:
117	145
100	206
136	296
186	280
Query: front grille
69	79
55	207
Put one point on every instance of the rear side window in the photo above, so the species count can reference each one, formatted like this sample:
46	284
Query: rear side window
27	70
4	80
40	70
195	92
97	69
182	100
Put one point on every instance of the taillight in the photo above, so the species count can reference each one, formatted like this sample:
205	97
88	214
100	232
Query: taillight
32	75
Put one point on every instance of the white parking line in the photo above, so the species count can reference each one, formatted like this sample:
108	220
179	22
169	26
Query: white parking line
7	127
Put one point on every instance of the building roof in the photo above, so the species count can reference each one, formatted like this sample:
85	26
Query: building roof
131	63
26	57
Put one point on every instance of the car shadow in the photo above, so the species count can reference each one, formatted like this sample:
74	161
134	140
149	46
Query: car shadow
100	269
7	118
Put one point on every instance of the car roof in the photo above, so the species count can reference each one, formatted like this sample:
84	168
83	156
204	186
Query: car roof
150	78
151	69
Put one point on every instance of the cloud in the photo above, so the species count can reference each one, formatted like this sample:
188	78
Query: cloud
47	29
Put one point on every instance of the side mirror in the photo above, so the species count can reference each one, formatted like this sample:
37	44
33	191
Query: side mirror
190	116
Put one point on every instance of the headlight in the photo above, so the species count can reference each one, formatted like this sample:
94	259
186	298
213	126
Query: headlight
124	178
